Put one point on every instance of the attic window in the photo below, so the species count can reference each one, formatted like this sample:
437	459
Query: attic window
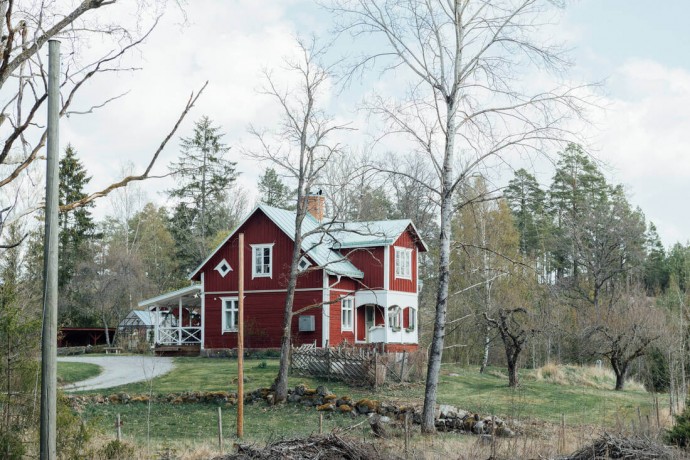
403	263
303	264
223	268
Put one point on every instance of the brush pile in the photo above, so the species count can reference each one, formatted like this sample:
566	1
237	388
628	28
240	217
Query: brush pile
324	447
610	446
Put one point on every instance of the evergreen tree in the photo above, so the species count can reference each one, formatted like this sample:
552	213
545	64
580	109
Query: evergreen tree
204	175
527	202
656	273
577	186
274	192
77	229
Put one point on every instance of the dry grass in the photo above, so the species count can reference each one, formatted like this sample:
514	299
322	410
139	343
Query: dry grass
587	376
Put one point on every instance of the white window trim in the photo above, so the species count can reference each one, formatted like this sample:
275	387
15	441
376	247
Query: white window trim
351	309
220	270
270	267
407	254
224	325
303	259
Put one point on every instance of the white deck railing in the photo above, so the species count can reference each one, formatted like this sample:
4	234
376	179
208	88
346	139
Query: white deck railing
178	335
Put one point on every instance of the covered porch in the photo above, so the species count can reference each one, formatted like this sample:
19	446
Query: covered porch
178	317
386	318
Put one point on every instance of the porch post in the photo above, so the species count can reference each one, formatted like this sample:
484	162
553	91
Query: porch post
385	322
179	321
155	329
203	311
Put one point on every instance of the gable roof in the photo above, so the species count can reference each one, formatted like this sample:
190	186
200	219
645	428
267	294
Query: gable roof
323	239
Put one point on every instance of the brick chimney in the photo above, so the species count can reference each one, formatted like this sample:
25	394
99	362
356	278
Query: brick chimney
316	205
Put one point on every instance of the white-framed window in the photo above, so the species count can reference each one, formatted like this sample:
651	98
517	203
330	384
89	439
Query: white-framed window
223	268
262	260
346	314
394	317
230	314
403	263
303	264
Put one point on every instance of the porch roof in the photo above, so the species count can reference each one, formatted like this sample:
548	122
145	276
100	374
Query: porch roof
172	299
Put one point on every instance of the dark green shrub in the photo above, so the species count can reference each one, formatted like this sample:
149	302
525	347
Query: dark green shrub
11	445
116	450
679	435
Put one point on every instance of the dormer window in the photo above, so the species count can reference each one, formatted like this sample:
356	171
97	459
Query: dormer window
223	268
303	264
403	263
262	260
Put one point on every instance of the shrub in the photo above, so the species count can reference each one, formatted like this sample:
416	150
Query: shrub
679	435
116	450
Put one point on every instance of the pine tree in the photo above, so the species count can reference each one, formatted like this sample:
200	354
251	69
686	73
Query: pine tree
527	202
204	175
273	191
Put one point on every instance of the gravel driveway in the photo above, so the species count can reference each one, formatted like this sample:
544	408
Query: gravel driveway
119	370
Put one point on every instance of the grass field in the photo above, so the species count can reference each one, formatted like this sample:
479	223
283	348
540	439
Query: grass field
537	399
74	372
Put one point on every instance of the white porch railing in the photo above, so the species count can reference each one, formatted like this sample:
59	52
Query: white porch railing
178	335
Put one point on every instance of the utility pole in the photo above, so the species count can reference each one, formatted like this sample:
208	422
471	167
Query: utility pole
240	341
50	263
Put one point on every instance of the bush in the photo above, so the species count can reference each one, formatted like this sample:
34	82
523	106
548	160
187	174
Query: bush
679	435
11	446
116	450
262	365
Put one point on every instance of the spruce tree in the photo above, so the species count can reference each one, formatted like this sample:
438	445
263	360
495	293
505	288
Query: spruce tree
203	175
273	191
77	229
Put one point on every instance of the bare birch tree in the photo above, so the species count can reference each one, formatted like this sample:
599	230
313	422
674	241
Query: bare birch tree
466	105
25	27
300	147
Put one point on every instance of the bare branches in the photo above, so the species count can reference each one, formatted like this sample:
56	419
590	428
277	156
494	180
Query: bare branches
145	175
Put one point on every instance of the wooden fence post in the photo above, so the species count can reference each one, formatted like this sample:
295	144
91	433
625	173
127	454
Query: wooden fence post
118	425
220	432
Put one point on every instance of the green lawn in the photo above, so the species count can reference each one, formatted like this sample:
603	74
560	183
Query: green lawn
74	372
463	387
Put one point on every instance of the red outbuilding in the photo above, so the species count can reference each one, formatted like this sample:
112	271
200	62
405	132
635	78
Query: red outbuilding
358	284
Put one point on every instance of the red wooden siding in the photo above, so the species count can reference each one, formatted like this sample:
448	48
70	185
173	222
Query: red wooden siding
370	261
258	229
263	320
398	284
337	336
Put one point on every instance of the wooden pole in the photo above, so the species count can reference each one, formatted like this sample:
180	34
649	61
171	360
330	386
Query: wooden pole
240	342
48	425
118	425
320	422
407	434
220	431
656	407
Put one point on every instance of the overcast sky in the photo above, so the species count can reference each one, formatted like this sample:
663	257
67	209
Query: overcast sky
638	49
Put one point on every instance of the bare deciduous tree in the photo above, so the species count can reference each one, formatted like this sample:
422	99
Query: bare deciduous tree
25	28
466	106
302	149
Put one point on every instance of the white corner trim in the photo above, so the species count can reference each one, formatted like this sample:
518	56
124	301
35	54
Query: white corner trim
325	313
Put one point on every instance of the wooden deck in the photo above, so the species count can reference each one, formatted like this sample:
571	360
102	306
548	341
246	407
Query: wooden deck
177	350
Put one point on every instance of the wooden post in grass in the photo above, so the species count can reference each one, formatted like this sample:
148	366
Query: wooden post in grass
240	342
220	431
656	407
118	425
320	422
407	434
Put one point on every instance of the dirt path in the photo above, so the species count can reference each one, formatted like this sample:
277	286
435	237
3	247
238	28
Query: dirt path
119	370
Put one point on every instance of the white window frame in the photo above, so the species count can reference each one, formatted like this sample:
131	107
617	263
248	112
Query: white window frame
303	260
262	247
234	312
403	263
220	269
347	305
395	317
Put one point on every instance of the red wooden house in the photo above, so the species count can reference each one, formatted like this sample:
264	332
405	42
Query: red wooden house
359	278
